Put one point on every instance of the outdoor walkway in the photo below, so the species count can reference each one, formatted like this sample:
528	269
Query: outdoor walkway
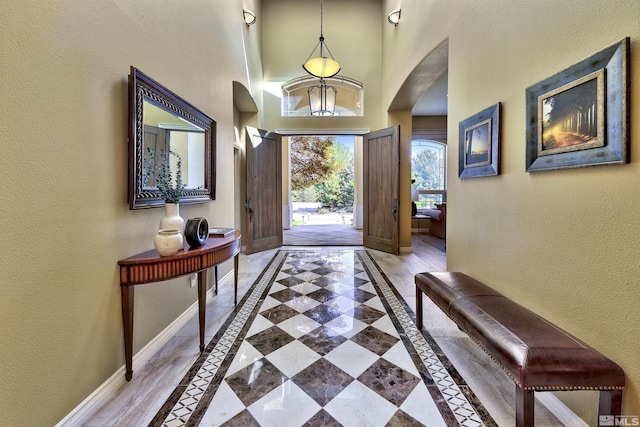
322	235
321	229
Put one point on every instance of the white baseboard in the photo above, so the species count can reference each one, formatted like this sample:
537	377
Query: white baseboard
566	416
108	390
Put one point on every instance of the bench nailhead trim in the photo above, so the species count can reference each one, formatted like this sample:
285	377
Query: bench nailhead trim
538	388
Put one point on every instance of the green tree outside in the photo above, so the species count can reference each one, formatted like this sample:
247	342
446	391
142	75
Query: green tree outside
322	171
310	160
337	190
425	169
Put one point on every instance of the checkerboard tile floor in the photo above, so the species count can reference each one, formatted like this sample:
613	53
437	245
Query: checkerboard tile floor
321	339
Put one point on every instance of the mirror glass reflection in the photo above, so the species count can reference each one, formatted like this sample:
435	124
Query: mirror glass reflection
165	131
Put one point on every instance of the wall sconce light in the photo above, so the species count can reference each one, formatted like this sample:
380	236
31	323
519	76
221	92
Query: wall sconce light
249	17
394	16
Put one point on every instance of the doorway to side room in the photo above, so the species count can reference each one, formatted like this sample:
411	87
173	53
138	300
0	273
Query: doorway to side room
428	189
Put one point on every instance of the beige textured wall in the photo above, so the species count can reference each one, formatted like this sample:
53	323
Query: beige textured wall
564	243
63	168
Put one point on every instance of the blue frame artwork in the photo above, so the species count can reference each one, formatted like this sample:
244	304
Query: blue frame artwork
479	145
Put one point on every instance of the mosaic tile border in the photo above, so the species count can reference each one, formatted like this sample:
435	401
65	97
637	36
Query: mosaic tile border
189	401
459	398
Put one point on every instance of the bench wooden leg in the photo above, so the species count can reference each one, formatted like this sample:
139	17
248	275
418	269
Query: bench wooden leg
610	402
524	407
418	308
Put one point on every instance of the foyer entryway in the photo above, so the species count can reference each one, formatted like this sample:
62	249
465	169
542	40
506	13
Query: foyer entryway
372	186
323	190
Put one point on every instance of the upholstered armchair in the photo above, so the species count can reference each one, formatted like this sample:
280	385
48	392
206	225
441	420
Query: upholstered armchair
438	221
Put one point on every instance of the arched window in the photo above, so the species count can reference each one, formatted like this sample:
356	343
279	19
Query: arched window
428	169
348	96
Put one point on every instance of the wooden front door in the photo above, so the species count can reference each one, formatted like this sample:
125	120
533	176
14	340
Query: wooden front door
264	190
381	186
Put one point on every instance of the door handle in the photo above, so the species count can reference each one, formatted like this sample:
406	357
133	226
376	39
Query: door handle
395	210
249	209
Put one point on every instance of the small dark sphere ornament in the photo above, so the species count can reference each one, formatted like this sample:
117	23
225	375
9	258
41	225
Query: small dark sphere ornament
196	231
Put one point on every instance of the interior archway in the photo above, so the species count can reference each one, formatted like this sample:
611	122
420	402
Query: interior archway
424	87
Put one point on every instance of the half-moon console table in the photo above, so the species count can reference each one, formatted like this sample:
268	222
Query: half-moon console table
150	267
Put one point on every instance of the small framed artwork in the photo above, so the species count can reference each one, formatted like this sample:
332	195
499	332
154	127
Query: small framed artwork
579	116
479	147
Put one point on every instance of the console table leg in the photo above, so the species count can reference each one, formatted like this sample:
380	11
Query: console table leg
235	279
215	280
202	304
524	407
127	295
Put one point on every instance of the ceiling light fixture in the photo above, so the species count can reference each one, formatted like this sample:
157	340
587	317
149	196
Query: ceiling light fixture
322	99
321	66
249	17
394	16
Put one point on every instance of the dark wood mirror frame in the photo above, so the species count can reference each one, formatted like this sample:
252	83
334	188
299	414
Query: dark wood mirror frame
142	88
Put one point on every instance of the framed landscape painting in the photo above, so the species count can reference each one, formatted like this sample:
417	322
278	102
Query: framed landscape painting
479	147
579	116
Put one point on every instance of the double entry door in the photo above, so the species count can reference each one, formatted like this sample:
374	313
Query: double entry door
381	178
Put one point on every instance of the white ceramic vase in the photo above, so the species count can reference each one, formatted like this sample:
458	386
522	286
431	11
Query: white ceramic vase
168	242
172	219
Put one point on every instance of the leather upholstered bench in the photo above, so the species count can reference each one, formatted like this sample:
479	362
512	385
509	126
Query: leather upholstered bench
537	355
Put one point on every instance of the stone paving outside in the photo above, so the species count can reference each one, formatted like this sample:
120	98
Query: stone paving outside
307	214
321	229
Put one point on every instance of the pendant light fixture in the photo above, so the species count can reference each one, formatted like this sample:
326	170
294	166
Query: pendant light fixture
321	66
322	99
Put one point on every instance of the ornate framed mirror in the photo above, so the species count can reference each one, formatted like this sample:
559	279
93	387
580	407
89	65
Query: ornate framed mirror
160	120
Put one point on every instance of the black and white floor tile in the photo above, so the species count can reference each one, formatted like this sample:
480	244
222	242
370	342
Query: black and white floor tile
322	339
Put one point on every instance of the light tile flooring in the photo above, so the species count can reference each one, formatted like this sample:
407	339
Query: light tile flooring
321	339
139	400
